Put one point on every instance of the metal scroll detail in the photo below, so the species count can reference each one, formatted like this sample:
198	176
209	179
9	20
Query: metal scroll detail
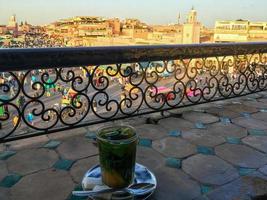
38	102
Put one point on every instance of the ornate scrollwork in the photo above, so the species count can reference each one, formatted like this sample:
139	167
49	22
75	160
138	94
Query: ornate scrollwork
60	98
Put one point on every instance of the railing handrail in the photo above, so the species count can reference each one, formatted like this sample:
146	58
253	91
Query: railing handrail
101	96
32	58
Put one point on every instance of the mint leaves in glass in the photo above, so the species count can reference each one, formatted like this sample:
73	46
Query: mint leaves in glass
117	152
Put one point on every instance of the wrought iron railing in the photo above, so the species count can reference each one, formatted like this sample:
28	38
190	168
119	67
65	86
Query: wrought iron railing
48	90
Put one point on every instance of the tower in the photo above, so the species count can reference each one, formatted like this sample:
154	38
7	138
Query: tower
192	16
179	18
191	29
12	25
12	22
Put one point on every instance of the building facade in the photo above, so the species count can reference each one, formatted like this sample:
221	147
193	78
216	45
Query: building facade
240	31
81	26
134	28
12	26
170	34
99	31
191	29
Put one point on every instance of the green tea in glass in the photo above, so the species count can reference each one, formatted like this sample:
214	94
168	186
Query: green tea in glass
117	152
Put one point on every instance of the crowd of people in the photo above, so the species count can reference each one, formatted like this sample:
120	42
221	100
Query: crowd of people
32	40
34	84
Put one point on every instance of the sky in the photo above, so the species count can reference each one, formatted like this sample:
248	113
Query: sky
150	11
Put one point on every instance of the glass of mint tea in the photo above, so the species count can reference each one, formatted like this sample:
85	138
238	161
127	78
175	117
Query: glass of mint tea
117	152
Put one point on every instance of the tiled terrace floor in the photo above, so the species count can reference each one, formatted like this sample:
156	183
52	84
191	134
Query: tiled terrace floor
215	151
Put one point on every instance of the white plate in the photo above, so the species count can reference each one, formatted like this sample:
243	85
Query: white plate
92	181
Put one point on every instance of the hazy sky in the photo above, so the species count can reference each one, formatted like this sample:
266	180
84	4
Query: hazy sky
150	11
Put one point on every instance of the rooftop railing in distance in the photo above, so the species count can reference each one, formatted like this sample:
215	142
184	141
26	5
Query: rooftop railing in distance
54	89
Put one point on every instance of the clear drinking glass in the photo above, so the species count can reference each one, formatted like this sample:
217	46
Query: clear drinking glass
117	152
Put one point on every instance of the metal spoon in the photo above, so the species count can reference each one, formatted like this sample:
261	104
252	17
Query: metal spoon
138	189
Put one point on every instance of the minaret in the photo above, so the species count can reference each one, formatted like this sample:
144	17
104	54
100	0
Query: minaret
12	25
191	29
179	17
192	16
12	21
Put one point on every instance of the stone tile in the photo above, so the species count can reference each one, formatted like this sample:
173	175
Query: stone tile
91	135
76	148
4	194
68	133
238	108
29	143
7	154
263	100
221	102
258	142
205	150
226	130
32	160
243	188
80	167
145	142
262	94
263	110
200	125
241	155
179	111
3	170
245	114
149	158
256	95
175	133
10	180
205	118
222	112
257	174
201	137
250	123
260	116
52	144
209	169
235	101
174	147
49	184
257	132
264	170
255	104
175	183
225	120
245	171
248	99
233	140
135	121
200	107
173	163
176	124
151	131
205	189
63	164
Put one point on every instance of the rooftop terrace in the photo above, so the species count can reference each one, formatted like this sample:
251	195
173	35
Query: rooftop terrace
215	151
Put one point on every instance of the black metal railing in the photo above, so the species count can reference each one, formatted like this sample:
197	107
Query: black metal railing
48	90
